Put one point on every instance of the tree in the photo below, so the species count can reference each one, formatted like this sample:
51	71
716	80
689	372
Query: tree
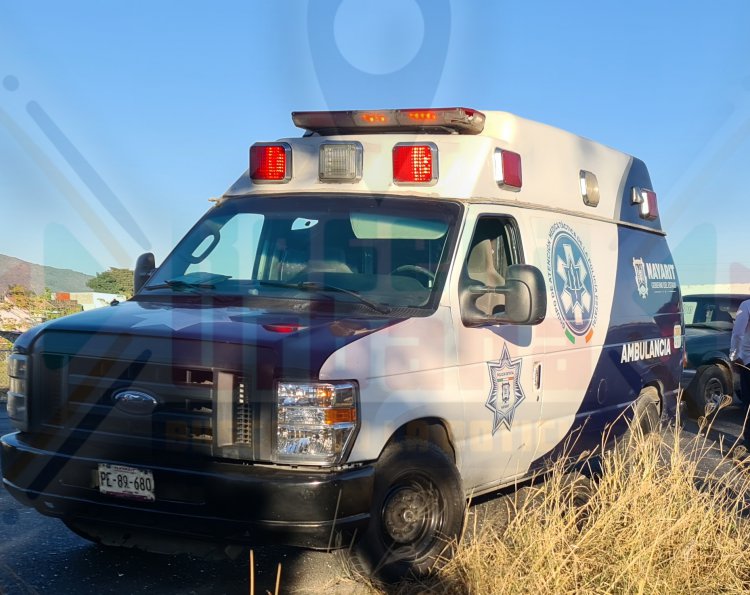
119	281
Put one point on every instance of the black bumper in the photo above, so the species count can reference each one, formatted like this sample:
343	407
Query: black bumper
213	500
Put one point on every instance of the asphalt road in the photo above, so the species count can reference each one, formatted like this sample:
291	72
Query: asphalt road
39	554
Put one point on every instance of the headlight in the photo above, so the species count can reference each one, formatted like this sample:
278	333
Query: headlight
18	399
317	421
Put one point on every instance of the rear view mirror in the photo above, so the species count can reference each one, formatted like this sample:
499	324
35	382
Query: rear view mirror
525	298
144	267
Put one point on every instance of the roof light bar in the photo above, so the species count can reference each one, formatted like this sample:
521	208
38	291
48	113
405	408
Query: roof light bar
455	120
649	208
270	163
415	163
508	170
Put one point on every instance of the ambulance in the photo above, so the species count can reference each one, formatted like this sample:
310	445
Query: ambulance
394	313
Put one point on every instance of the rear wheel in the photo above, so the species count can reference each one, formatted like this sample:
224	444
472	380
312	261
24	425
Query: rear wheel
646	412
706	393
416	515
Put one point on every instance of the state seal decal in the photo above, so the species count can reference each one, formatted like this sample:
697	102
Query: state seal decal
506	393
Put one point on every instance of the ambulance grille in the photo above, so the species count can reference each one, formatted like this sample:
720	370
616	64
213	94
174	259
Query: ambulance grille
243	417
78	394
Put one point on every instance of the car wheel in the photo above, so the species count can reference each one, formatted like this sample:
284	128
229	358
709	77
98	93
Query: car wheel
416	515
706	393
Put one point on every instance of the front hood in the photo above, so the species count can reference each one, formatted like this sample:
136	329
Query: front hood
300	342
702	331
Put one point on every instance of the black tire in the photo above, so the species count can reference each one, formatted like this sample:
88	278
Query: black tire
646	413
417	513
708	388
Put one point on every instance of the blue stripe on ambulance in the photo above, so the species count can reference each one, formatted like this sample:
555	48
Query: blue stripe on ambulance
640	348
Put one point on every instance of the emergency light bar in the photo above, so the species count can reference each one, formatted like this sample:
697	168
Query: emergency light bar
453	120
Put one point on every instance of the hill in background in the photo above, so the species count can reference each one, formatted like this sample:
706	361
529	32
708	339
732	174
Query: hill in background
14	271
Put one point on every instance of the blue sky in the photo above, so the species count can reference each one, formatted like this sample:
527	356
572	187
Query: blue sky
119	120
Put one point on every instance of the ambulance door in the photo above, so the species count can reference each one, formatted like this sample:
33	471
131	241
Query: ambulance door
496	362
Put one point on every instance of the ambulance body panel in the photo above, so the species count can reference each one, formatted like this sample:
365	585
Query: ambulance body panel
375	323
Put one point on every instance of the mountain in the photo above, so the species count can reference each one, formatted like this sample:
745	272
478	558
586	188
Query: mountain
14	271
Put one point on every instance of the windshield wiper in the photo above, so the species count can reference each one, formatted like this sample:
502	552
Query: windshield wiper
315	286
177	284
200	280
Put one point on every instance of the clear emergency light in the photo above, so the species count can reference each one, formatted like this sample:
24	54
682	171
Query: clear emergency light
648	209
415	163
270	163
452	120
340	162
507	169
589	188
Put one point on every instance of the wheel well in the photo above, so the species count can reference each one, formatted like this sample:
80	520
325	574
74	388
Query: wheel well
428	429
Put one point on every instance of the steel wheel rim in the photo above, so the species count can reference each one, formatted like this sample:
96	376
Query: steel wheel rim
412	514
713	392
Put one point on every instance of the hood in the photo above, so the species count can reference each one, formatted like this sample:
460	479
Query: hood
705	331
300	342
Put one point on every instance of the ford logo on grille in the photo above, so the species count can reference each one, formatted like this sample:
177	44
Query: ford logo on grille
135	402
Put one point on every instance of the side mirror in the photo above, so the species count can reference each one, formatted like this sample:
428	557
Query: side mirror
525	299
144	267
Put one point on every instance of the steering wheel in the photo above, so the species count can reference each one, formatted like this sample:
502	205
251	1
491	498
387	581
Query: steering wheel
417	270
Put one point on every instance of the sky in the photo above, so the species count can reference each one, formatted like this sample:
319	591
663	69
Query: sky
119	120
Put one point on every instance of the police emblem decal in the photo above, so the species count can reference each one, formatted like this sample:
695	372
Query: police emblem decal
572	283
641	280
506	393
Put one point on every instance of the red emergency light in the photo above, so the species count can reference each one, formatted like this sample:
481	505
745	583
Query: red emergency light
270	163
649	209
415	163
508	170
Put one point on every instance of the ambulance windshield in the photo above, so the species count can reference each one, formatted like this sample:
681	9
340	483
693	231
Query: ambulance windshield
381	252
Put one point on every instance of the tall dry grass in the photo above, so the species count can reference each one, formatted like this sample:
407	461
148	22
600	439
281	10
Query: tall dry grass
661	518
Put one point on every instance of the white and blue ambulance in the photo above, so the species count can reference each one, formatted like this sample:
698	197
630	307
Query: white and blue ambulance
391	314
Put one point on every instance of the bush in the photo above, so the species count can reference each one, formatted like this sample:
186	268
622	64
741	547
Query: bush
5	347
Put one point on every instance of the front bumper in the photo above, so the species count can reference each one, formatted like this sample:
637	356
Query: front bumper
230	502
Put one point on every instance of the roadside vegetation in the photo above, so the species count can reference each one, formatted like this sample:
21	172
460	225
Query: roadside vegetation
21	308
5	347
659	518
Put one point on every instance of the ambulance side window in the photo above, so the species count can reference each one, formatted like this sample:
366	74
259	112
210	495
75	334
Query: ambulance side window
494	247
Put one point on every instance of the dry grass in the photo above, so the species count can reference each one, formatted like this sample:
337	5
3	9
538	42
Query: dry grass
654	522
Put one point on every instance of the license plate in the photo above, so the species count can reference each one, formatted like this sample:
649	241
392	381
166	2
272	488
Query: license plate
126	482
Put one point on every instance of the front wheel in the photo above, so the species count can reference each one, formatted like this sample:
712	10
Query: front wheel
416	515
